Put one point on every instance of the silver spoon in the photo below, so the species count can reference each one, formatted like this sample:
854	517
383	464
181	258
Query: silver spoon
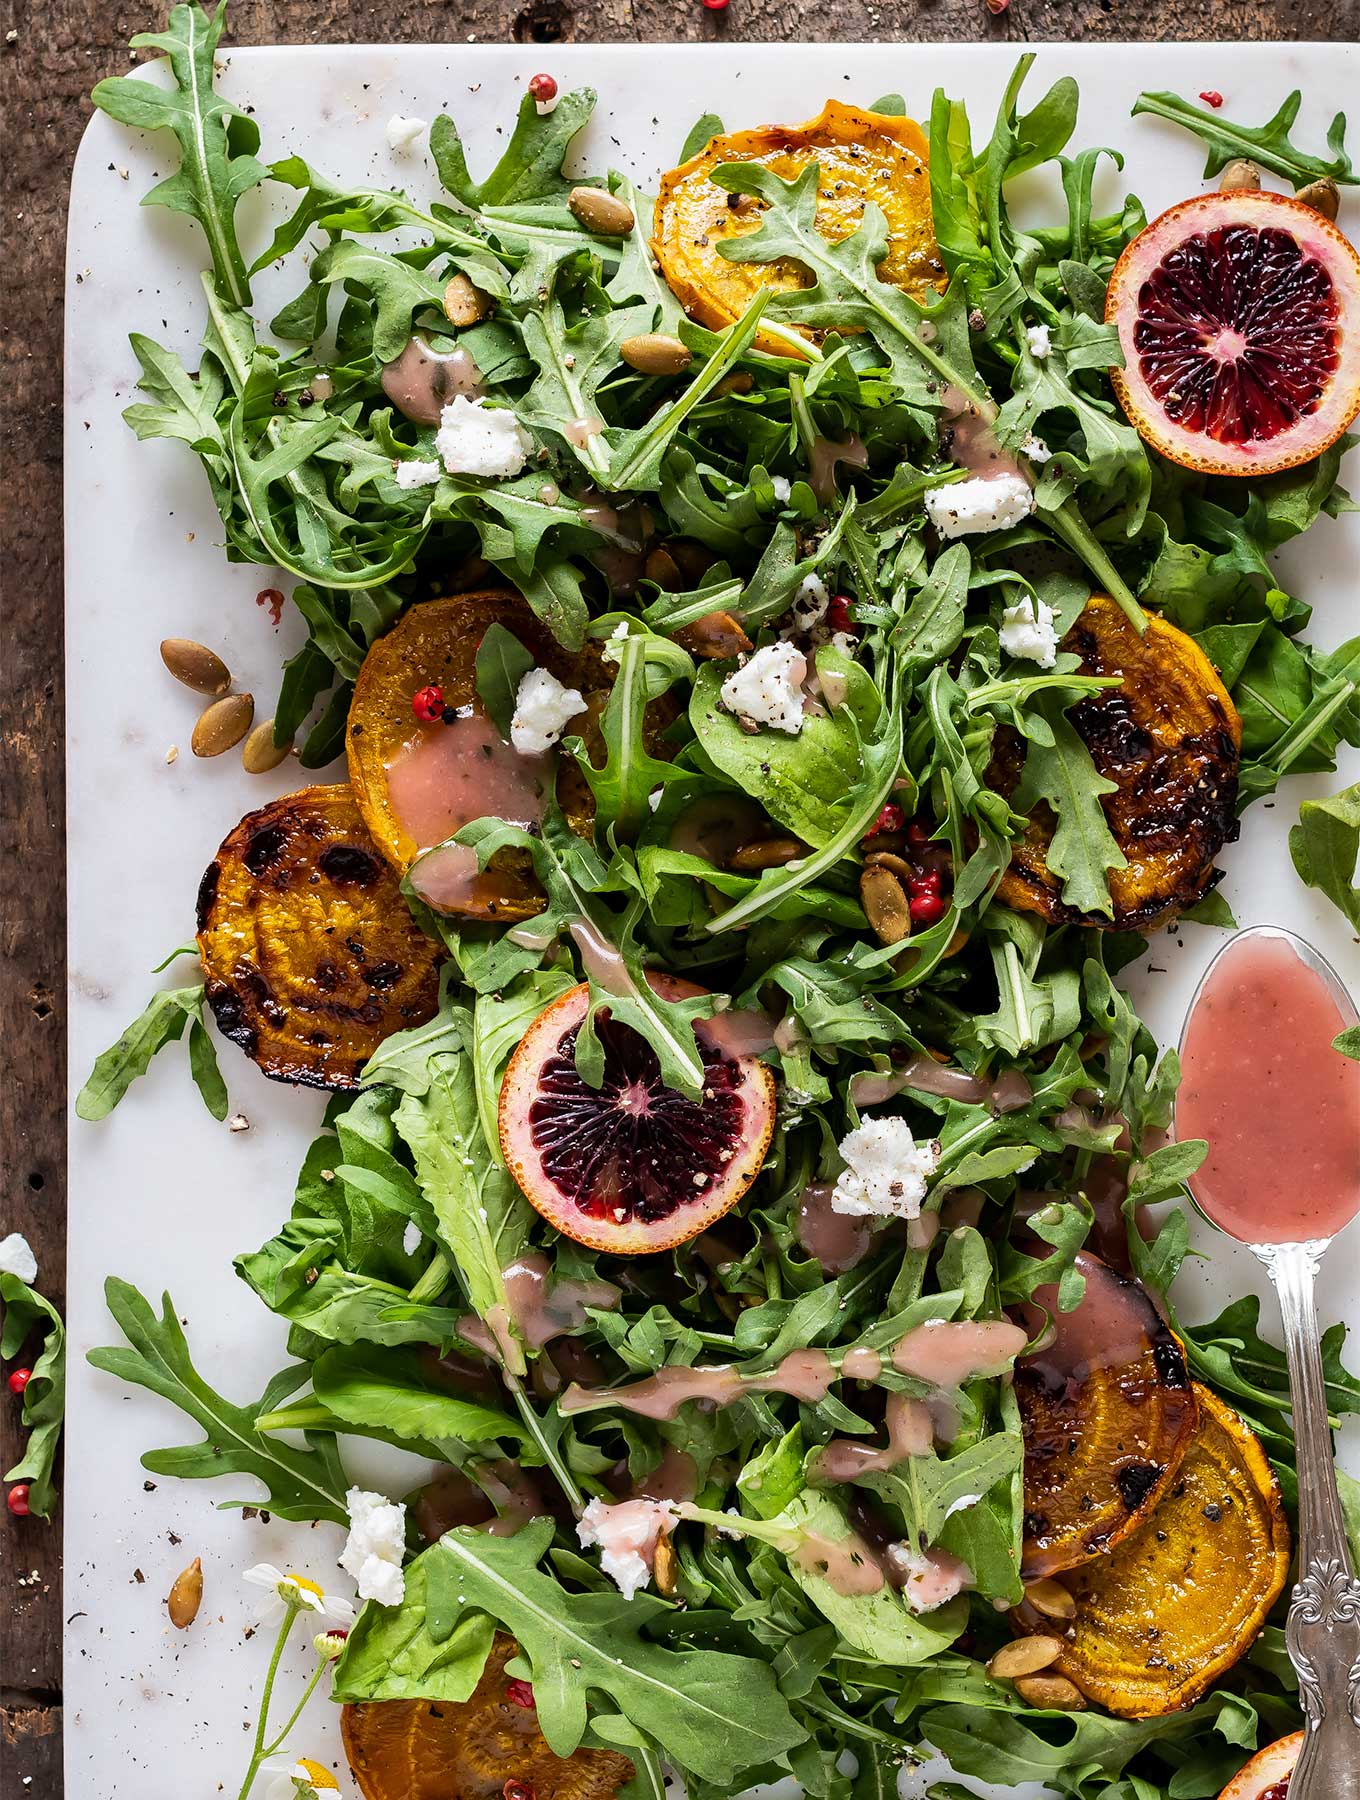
1323	1627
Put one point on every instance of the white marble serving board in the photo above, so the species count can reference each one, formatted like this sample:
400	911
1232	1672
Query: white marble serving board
160	1193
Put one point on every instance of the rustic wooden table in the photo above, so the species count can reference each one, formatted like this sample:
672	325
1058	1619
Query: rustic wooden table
51	56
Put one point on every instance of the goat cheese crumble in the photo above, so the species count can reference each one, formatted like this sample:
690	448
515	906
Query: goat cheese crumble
375	1547
783	488
477	439
17	1258
768	688
1029	634
542	708
1040	342
412	1238
885	1171
404	134
627	1536
1035	449
928	1581
983	503
417	474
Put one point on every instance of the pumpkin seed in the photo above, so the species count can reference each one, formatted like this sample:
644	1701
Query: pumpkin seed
715	636
1051	1599
662	568
464	304
1323	196
739	382
604	214
186	1595
222	725
885	904
260	753
889	859
765	853
195	665
656	354
1024	1656
665	1565
1052	1692
1239	174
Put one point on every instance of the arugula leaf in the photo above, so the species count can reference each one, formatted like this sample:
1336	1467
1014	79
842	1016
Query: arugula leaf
701	134
1324	845
217	140
502	663
390	1655
1083	847
398	1391
710	1712
163	1022
530	166
1268	145
483	1219
300	1484
25	1312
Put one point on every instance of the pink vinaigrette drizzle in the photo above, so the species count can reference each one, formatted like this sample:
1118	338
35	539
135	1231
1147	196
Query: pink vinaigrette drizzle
1278	1106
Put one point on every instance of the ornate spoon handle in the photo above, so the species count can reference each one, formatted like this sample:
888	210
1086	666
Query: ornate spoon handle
1323	1628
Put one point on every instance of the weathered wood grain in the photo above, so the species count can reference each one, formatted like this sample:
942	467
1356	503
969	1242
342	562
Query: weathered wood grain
51	56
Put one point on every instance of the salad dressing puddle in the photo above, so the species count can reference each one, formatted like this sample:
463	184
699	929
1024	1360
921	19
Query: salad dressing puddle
422	381
446	776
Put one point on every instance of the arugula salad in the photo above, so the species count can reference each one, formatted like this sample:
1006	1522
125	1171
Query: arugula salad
790	640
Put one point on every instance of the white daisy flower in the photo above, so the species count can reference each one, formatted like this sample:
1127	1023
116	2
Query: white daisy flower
295	1590
297	1778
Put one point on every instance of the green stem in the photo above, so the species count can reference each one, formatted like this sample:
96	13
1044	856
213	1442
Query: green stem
434	1280
1066	523
259	1752
299	1418
321	1667
561	1473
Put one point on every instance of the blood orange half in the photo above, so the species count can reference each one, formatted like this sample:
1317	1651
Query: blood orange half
1266	1776
1239	319
631	1166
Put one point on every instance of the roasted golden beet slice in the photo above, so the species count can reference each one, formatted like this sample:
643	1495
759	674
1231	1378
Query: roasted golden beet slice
487	1747
1169	738
860	156
446	775
1108	1413
1171	1609
311	955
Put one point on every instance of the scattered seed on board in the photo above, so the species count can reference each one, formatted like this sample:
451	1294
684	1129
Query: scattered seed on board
1051	1598
186	1595
464	304
222	725
1024	1656
653	353
604	214
1053	1692
260	753
195	665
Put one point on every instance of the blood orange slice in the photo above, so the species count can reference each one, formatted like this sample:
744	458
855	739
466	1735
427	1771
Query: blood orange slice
1266	1776
631	1166
1239	319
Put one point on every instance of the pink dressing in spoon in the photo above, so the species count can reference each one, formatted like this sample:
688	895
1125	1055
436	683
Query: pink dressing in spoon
1277	1105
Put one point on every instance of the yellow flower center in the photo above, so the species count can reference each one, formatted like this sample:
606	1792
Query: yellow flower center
320	1778
301	1581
